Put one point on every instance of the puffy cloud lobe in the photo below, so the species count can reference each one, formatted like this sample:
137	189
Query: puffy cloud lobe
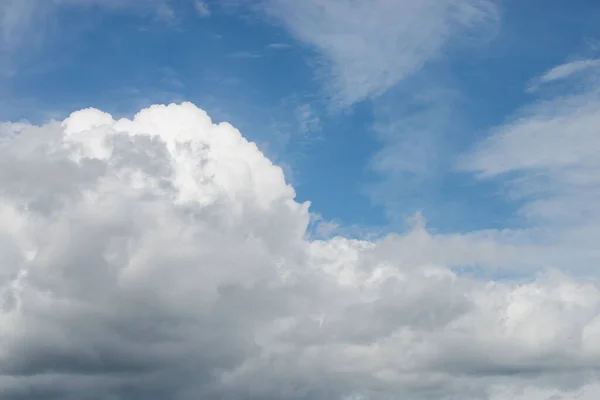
166	257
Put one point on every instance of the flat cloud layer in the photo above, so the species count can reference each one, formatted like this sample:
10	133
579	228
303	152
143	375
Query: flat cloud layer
165	257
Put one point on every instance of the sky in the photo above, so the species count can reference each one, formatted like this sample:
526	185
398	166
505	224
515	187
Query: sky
283	199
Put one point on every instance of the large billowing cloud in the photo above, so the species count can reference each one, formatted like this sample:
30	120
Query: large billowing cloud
165	257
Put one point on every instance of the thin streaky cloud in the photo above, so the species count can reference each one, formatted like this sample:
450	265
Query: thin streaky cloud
371	45
244	54
564	71
278	46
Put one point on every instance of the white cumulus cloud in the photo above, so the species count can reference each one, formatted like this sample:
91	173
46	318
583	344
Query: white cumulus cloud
165	256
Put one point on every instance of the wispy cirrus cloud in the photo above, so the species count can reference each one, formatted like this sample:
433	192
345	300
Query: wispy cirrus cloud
369	46
548	155
24	22
565	71
278	46
244	54
202	8
382	51
308	120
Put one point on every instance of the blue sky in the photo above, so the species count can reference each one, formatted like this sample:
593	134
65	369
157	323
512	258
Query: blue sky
158	158
263	74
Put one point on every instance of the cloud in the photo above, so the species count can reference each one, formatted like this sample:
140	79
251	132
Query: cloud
25	23
164	256
565	71
554	142
278	46
417	125
308	121
17	17
202	8
28	26
369	46
244	54
588	392
548	155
